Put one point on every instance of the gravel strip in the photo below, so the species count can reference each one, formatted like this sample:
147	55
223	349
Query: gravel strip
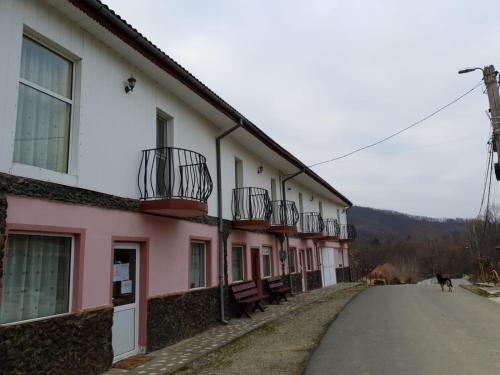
282	346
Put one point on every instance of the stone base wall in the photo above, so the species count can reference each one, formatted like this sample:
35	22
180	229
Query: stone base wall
343	274
314	280
71	344
172	318
296	282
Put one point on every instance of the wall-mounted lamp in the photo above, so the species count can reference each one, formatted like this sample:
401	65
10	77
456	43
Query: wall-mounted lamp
260	169
312	198
131	84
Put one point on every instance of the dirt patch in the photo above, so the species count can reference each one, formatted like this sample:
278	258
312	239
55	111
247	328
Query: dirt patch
279	347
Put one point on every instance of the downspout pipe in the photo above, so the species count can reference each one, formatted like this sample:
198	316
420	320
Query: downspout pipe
220	221
283	204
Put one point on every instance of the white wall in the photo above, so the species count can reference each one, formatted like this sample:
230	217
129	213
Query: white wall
110	127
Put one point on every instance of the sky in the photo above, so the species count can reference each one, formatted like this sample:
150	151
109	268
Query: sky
325	77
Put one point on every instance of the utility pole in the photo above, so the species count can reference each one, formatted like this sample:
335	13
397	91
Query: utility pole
490	80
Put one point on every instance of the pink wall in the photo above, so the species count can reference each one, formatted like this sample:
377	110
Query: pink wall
169	242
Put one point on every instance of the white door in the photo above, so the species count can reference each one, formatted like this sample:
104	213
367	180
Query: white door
328	266
125	300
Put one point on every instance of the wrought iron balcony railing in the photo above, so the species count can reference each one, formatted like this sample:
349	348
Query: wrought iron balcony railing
251	203
174	173
332	228
347	232
285	213
311	222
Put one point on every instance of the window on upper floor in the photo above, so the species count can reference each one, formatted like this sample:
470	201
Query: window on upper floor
238	173
273	190
37	278
44	108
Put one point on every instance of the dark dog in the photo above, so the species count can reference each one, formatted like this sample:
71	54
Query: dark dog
444	281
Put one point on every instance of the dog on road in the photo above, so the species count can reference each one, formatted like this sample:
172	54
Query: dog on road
444	281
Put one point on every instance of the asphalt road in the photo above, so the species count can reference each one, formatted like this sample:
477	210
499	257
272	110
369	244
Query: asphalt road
412	330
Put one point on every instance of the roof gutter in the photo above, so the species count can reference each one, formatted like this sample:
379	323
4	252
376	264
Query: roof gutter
119	27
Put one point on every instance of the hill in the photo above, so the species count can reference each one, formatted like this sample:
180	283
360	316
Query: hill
375	223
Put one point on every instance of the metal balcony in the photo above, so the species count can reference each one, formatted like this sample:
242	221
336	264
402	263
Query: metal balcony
174	181
347	233
311	225
285	217
332	230
251	207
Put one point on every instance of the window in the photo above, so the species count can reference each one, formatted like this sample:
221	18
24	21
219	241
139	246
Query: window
37	280
293	264
238	173
309	259
44	108
198	265
238	263
318	257
266	261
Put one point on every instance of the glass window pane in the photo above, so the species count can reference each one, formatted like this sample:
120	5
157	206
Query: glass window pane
46	68
266	261
42	130
237	263
197	274
37	277
124	277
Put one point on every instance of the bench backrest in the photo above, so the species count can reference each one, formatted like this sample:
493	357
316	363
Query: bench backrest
244	290
275	282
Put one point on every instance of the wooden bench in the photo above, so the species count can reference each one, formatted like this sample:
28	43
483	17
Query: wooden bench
247	294
278	290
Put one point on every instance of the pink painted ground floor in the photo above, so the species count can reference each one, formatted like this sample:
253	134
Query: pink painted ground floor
155	277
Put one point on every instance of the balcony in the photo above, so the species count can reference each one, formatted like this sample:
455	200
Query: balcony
251	208
311	225
174	181
332	230
285	217
347	233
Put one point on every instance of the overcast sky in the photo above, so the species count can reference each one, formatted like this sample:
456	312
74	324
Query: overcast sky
325	77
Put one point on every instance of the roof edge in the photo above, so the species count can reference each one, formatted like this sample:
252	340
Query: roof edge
107	18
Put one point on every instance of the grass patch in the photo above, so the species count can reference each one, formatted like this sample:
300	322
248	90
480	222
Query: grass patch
476	290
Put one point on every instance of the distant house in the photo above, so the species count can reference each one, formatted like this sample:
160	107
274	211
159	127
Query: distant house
117	235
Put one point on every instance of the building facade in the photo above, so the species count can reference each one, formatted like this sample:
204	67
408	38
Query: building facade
131	196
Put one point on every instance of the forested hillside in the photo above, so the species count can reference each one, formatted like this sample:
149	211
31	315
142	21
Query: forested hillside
374	223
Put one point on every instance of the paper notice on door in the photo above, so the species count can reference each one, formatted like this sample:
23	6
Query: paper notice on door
120	272
126	286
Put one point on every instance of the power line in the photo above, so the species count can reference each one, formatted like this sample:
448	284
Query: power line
402	130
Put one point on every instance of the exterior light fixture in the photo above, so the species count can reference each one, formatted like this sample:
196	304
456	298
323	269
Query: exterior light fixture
131	84
260	169
312	198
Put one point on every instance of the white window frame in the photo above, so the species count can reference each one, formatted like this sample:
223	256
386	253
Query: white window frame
204	264
74	109
242	250
71	273
270	254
